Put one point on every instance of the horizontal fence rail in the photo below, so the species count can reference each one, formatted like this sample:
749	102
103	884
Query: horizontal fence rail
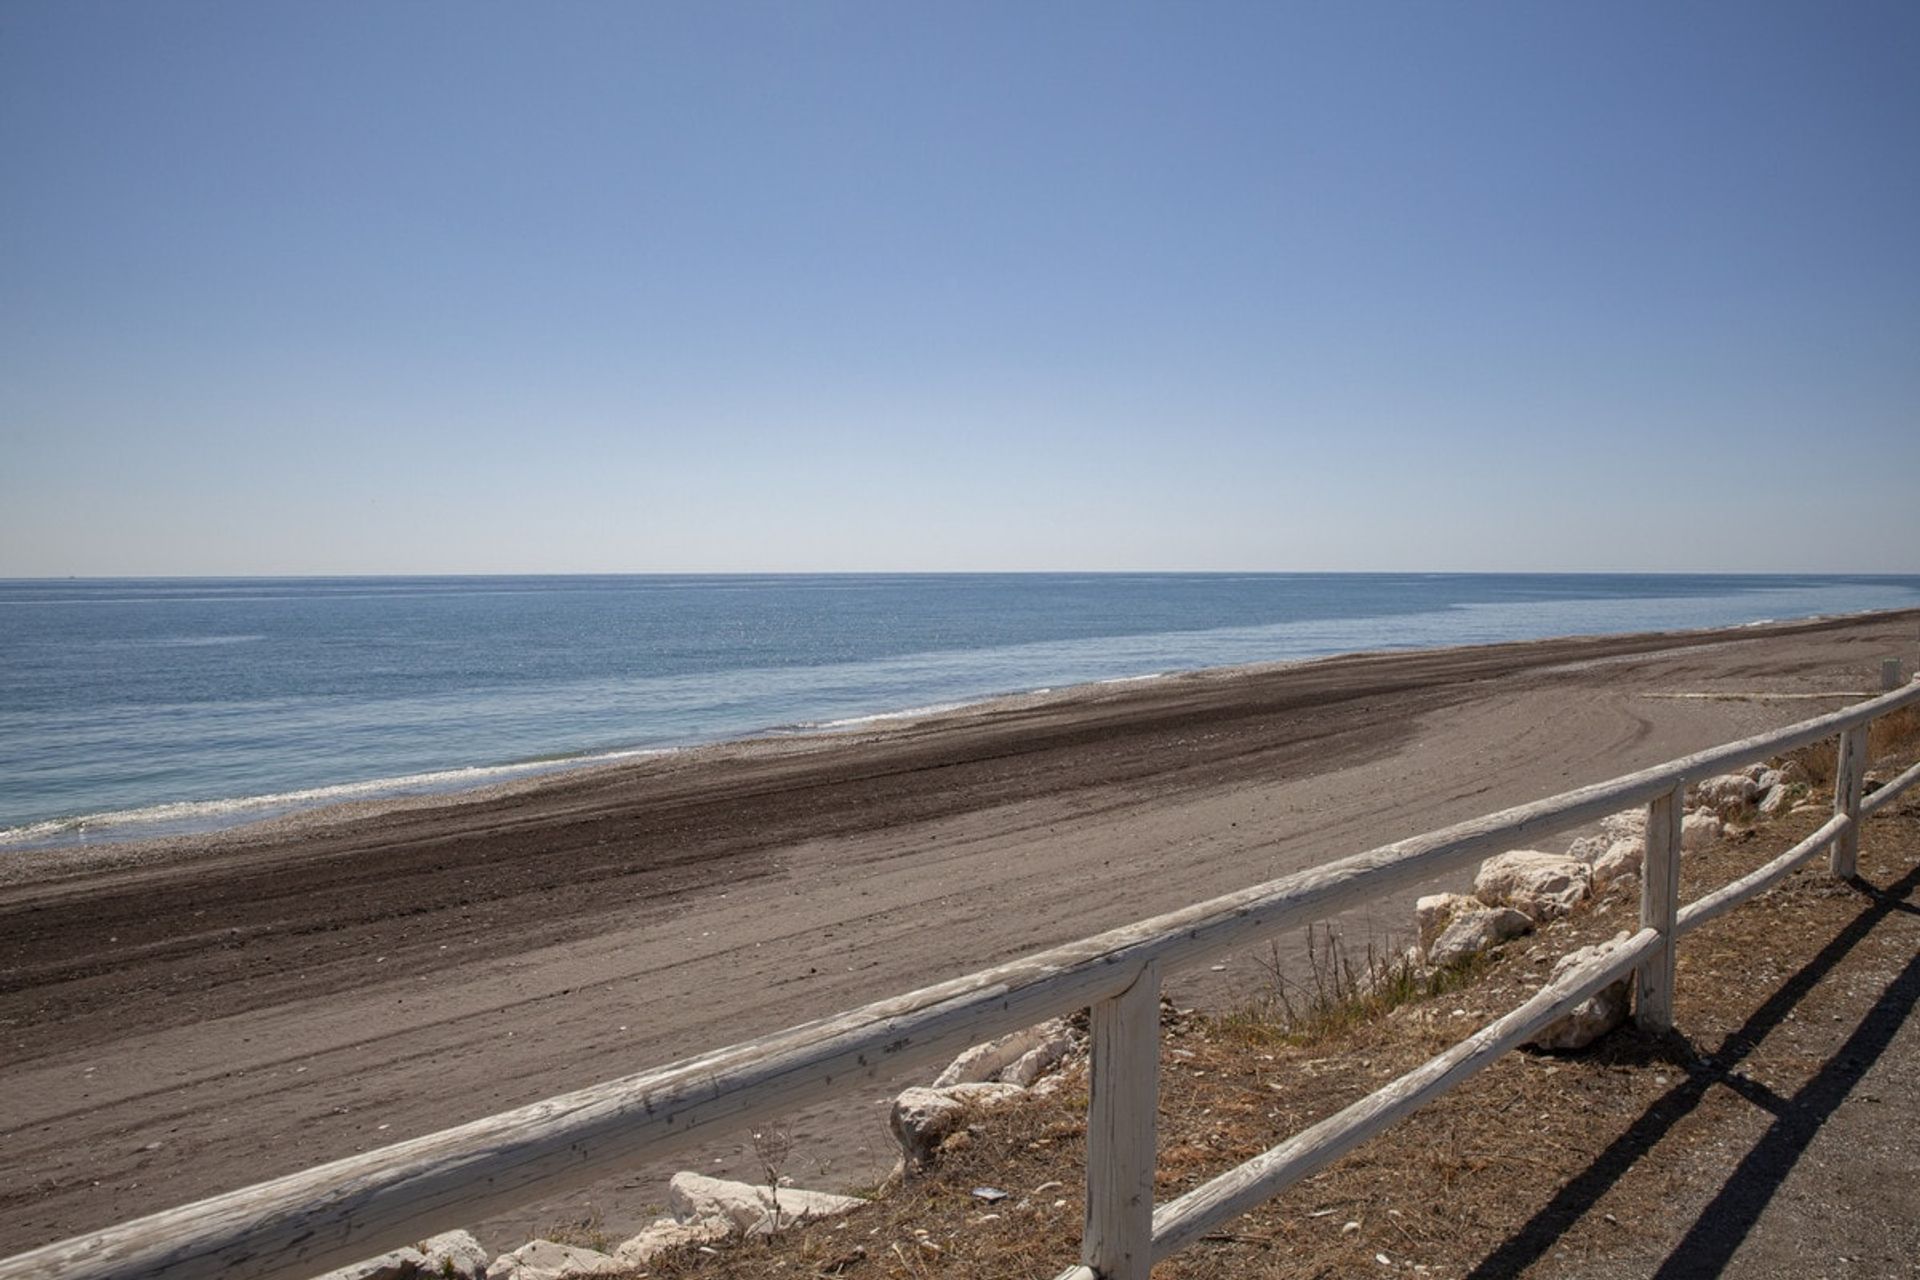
350	1209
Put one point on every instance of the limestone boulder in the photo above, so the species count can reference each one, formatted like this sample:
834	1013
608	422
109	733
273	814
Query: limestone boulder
1543	886
401	1264
1594	1016
695	1198
1778	799
455	1255
545	1260
1628	824
1474	930
1026	1069
924	1118
1623	858
1587	848
1728	791
1699	829
665	1234
1432	913
1036	1048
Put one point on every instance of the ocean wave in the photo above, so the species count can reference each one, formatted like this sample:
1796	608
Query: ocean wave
910	713
191	815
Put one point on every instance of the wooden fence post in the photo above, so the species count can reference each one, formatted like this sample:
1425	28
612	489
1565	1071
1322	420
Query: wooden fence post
1121	1134
1849	786
1659	907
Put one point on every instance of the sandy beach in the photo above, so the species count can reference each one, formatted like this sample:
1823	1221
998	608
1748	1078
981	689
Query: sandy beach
185	1017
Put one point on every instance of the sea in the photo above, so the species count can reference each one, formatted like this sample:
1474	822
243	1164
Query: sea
142	707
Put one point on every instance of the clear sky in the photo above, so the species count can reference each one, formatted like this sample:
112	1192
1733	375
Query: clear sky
462	287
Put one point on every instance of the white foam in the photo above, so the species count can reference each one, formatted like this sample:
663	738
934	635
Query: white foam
192	814
911	713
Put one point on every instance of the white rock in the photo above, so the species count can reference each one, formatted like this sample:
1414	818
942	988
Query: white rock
1698	828
1622	858
1726	789
695	1198
1475	930
1594	1016
1037	1061
986	1061
922	1118
665	1233
1545	886
545	1260
1587	848
1431	914
455	1255
1778	800
1759	772
1628	824
401	1264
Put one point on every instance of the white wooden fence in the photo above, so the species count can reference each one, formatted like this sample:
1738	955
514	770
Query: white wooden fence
338	1213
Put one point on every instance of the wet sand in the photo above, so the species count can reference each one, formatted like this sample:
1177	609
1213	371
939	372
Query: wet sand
188	1016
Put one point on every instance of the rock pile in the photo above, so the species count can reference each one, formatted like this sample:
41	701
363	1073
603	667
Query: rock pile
1521	890
706	1211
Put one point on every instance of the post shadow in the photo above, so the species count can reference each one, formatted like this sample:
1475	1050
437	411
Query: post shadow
1726	1221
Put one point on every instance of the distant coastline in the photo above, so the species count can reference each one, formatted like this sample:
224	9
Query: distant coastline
169	820
183	706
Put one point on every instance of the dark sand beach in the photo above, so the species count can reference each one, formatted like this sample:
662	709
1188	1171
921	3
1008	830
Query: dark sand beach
185	1017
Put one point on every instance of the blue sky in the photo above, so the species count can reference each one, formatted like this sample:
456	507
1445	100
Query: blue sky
424	287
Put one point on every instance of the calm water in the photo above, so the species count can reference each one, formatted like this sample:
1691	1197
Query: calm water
136	706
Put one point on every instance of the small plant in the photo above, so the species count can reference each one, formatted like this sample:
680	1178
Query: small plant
773	1146
1340	991
587	1231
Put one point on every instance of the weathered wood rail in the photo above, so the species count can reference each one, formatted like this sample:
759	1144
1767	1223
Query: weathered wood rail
338	1213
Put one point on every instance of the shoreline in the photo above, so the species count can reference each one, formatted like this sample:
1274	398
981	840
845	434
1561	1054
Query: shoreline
335	986
291	815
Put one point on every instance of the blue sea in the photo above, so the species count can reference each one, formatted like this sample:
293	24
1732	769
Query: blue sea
146	706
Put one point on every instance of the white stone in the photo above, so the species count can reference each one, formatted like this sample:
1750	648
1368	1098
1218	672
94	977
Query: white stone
696	1198
1778	800
1594	1016
1628	824
1431	914
1042	1058
1622	858
1698	829
401	1264
455	1255
923	1118
1475	930
545	1260
1759	772
1587	848
1726	794
985	1062
665	1233
1545	886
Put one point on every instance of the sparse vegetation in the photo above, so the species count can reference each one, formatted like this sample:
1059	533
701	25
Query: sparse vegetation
1479	1178
1340	992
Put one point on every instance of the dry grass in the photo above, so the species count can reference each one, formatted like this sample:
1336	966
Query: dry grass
1893	736
1341	992
1474	1185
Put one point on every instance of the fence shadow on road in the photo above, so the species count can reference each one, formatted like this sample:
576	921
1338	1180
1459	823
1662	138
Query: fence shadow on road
1709	1245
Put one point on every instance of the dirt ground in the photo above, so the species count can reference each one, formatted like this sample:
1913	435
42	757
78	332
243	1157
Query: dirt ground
1772	1135
183	1019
